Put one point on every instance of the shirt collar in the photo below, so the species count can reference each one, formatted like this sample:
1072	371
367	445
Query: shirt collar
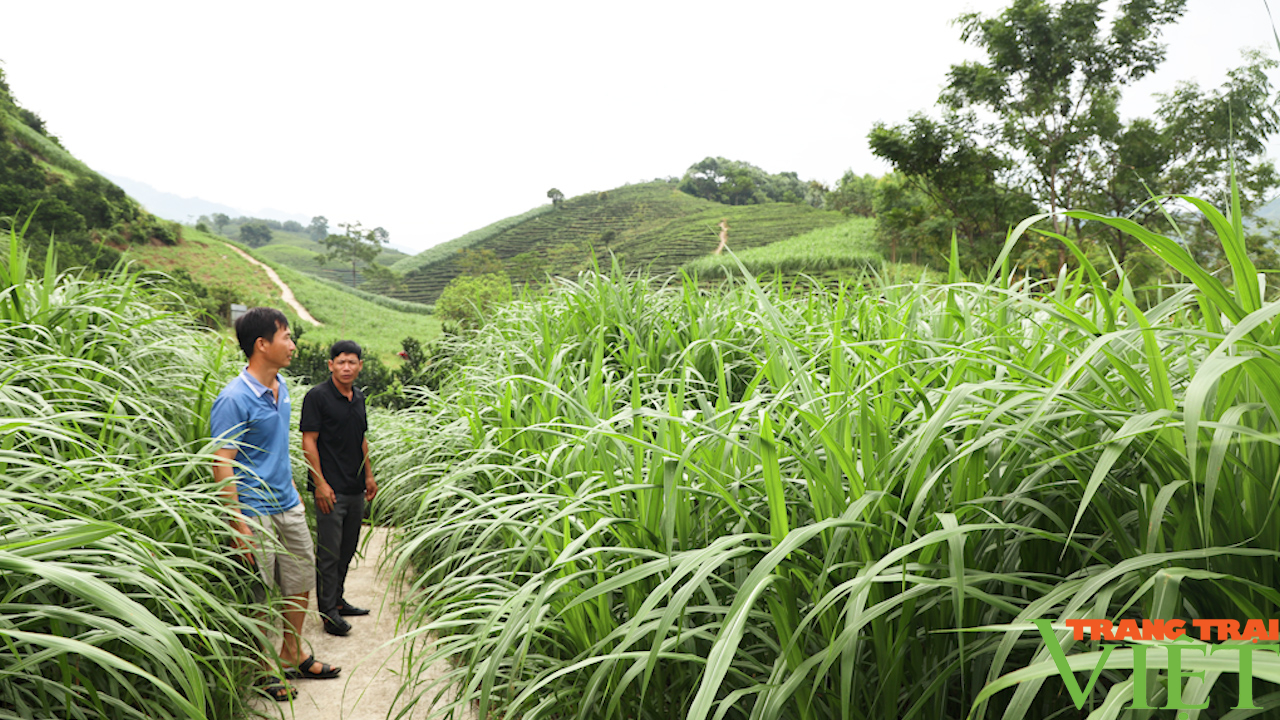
255	386
333	388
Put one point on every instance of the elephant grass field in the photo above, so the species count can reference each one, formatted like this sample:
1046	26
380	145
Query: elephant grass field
640	501
117	597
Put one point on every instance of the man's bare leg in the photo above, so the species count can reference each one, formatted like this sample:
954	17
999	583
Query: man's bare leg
295	614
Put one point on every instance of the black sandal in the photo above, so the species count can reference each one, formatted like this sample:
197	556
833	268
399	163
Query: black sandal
303	670
275	689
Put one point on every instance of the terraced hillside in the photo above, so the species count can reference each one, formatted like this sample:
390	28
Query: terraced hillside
649	225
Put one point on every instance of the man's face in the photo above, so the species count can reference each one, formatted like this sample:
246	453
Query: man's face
345	367
279	351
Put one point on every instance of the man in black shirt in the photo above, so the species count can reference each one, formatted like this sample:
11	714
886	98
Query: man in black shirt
333	427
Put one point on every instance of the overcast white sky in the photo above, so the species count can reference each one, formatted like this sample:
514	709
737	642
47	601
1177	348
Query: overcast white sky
432	119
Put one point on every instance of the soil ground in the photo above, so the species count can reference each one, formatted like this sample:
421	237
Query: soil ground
370	666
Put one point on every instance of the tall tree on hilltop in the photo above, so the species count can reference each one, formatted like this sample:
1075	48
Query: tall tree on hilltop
356	244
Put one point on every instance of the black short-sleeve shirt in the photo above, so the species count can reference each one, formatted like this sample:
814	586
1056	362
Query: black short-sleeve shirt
341	424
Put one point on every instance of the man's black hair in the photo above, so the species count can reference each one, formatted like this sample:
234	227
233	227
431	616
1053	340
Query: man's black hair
259	322
345	346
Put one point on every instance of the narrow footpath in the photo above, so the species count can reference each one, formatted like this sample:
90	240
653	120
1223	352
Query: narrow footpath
285	293
370	668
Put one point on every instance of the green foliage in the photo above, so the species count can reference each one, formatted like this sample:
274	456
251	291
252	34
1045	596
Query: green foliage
218	276
59	197
853	195
255	234
211	305
220	221
556	197
910	223
850	246
738	183
950	164
478	262
1037	123
640	502
470	300
121	596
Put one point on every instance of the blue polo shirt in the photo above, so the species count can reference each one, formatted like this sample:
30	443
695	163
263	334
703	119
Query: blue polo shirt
247	417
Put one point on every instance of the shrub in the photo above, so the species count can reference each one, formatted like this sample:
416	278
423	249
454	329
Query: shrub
469	300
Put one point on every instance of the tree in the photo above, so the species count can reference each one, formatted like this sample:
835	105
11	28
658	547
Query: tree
556	196
255	233
816	194
319	228
1052	81
1206	132
853	195
1040	114
725	181
738	183
220	220
355	245
947	163
291	226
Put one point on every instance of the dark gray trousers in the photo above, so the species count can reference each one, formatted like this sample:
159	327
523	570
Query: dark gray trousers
337	535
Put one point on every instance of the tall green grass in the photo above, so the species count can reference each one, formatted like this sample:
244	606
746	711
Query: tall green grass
118	598
655	502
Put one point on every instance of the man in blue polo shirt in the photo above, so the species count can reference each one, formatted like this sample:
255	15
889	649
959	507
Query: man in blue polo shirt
251	417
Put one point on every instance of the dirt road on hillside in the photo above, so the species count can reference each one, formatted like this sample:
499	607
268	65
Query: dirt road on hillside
370	670
285	293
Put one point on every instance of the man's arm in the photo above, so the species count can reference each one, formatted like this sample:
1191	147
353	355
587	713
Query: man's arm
325	497
224	473
370	487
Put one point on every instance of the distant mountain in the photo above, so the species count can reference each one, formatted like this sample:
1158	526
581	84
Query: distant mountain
168	205
187	209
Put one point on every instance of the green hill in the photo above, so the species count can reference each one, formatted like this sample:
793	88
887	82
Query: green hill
650	225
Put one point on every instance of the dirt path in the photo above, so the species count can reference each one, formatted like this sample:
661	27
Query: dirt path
370	669
285	293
